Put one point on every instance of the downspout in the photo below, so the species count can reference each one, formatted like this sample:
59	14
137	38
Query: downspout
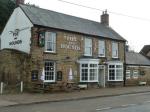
124	83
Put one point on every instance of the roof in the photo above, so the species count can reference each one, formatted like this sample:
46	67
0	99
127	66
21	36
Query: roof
145	49
133	58
47	18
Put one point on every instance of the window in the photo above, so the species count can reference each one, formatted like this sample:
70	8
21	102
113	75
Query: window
115	72
135	74
50	42
93	74
114	50
88	47
101	48
49	71
89	72
128	74
84	72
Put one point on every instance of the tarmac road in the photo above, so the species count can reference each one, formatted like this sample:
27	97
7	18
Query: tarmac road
124	103
137	108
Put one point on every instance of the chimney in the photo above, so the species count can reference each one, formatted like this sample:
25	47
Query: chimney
18	2
127	48
105	18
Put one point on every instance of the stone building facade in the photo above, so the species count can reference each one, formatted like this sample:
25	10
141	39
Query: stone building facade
70	52
137	69
63	48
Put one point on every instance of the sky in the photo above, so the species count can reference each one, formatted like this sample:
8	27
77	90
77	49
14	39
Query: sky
130	18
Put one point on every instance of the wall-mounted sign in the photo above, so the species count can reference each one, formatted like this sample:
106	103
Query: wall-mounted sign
15	35
34	75
59	76
142	73
70	42
15	42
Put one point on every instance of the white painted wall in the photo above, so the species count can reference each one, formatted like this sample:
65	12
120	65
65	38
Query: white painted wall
18	20
0	42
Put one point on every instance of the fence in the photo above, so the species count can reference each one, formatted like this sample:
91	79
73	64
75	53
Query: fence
5	88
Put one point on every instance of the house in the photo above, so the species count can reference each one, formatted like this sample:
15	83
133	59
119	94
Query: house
137	68
62	48
146	51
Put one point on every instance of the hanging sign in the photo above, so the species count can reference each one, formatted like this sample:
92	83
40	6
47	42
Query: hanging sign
41	39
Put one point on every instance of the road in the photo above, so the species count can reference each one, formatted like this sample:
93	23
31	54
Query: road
124	103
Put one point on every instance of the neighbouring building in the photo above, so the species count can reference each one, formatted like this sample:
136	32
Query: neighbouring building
146	51
137	68
58	48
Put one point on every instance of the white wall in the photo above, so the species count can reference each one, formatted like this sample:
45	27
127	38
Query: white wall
18	20
0	42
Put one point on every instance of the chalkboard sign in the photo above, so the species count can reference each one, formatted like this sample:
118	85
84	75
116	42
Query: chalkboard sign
34	75
59	76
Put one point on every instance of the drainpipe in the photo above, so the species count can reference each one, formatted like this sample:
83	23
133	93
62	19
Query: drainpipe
1	89
124	83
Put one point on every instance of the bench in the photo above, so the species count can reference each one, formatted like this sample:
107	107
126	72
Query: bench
142	83
82	86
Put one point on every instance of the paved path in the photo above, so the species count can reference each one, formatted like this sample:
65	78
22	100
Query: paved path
29	98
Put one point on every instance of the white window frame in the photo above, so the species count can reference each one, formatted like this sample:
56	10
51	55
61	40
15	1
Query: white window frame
115	50
101	48
87	46
128	74
89	62
52	41
135	74
45	71
115	71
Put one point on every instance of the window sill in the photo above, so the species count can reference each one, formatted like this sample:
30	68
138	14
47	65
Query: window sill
86	55
88	81
49	81
115	57
135	77
115	80
101	56
50	52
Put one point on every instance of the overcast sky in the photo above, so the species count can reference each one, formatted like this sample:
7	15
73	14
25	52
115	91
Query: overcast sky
135	30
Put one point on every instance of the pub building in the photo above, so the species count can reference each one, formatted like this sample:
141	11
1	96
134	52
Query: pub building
60	48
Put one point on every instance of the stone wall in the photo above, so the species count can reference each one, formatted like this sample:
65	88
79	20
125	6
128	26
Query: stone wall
145	76
14	67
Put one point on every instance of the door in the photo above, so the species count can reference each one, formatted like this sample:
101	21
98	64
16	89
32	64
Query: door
101	79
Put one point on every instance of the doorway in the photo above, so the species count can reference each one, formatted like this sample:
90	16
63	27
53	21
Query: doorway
101	76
